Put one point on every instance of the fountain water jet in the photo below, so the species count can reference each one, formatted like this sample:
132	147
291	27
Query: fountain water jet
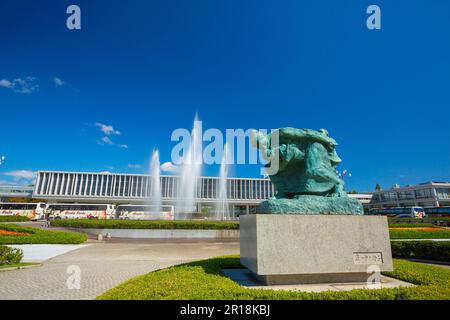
190	173
155	172
222	207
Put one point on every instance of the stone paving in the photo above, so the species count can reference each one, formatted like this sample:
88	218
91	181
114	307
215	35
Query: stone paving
104	266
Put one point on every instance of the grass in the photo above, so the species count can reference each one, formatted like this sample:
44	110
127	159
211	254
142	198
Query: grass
412	233
411	225
13	219
39	236
136	224
423	220
204	280
18	265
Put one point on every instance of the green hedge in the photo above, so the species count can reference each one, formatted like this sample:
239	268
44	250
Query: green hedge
13	219
204	280
416	220
411	233
136	224
10	256
39	236
411	225
426	250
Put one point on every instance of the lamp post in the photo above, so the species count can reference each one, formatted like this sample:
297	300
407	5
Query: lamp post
343	174
2	159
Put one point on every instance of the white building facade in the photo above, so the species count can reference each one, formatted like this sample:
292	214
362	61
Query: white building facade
430	194
243	194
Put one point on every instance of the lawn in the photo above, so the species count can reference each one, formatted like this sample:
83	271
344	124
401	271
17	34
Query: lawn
419	233
204	280
136	224
13	219
14	234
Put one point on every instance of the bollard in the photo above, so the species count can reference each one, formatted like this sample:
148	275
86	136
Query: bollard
100	237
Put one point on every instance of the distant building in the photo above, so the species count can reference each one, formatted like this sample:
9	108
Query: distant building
244	194
430	194
7	191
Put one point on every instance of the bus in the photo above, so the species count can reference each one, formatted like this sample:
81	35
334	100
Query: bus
33	211
406	212
144	212
80	211
438	211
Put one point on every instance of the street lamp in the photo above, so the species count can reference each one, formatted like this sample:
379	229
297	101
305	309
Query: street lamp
2	159
343	174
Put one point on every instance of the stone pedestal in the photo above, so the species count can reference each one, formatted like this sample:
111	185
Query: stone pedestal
304	249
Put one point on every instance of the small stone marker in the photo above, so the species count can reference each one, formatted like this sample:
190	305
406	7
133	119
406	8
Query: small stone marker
100	237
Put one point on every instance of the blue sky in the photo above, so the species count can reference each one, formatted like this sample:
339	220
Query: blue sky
146	67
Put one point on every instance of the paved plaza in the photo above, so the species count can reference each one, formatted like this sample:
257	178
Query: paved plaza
103	266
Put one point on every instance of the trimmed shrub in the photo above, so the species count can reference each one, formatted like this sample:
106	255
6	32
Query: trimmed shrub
411	225
140	224
426	250
13	219
10	255
205	280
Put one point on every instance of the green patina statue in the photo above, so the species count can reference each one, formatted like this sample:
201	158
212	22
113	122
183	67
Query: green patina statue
302	166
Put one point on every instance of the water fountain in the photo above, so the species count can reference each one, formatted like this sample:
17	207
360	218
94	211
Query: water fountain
155	172
190	173
222	206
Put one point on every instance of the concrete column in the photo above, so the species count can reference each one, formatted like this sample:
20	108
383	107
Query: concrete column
261	196
91	184
74	189
436	198
96	185
130	192
38	181
245	188
107	186
41	186
50	184
63	189
101	185
114	193
66	191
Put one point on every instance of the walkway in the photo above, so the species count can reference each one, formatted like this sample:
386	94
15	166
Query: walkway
104	266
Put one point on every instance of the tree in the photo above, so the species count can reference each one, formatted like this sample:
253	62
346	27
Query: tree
378	187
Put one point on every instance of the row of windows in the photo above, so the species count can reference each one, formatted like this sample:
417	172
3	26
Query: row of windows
101	185
442	193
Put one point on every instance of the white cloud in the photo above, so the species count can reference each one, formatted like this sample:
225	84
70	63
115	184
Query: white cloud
134	166
58	82
21	174
25	85
169	167
6	84
107	141
107	129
